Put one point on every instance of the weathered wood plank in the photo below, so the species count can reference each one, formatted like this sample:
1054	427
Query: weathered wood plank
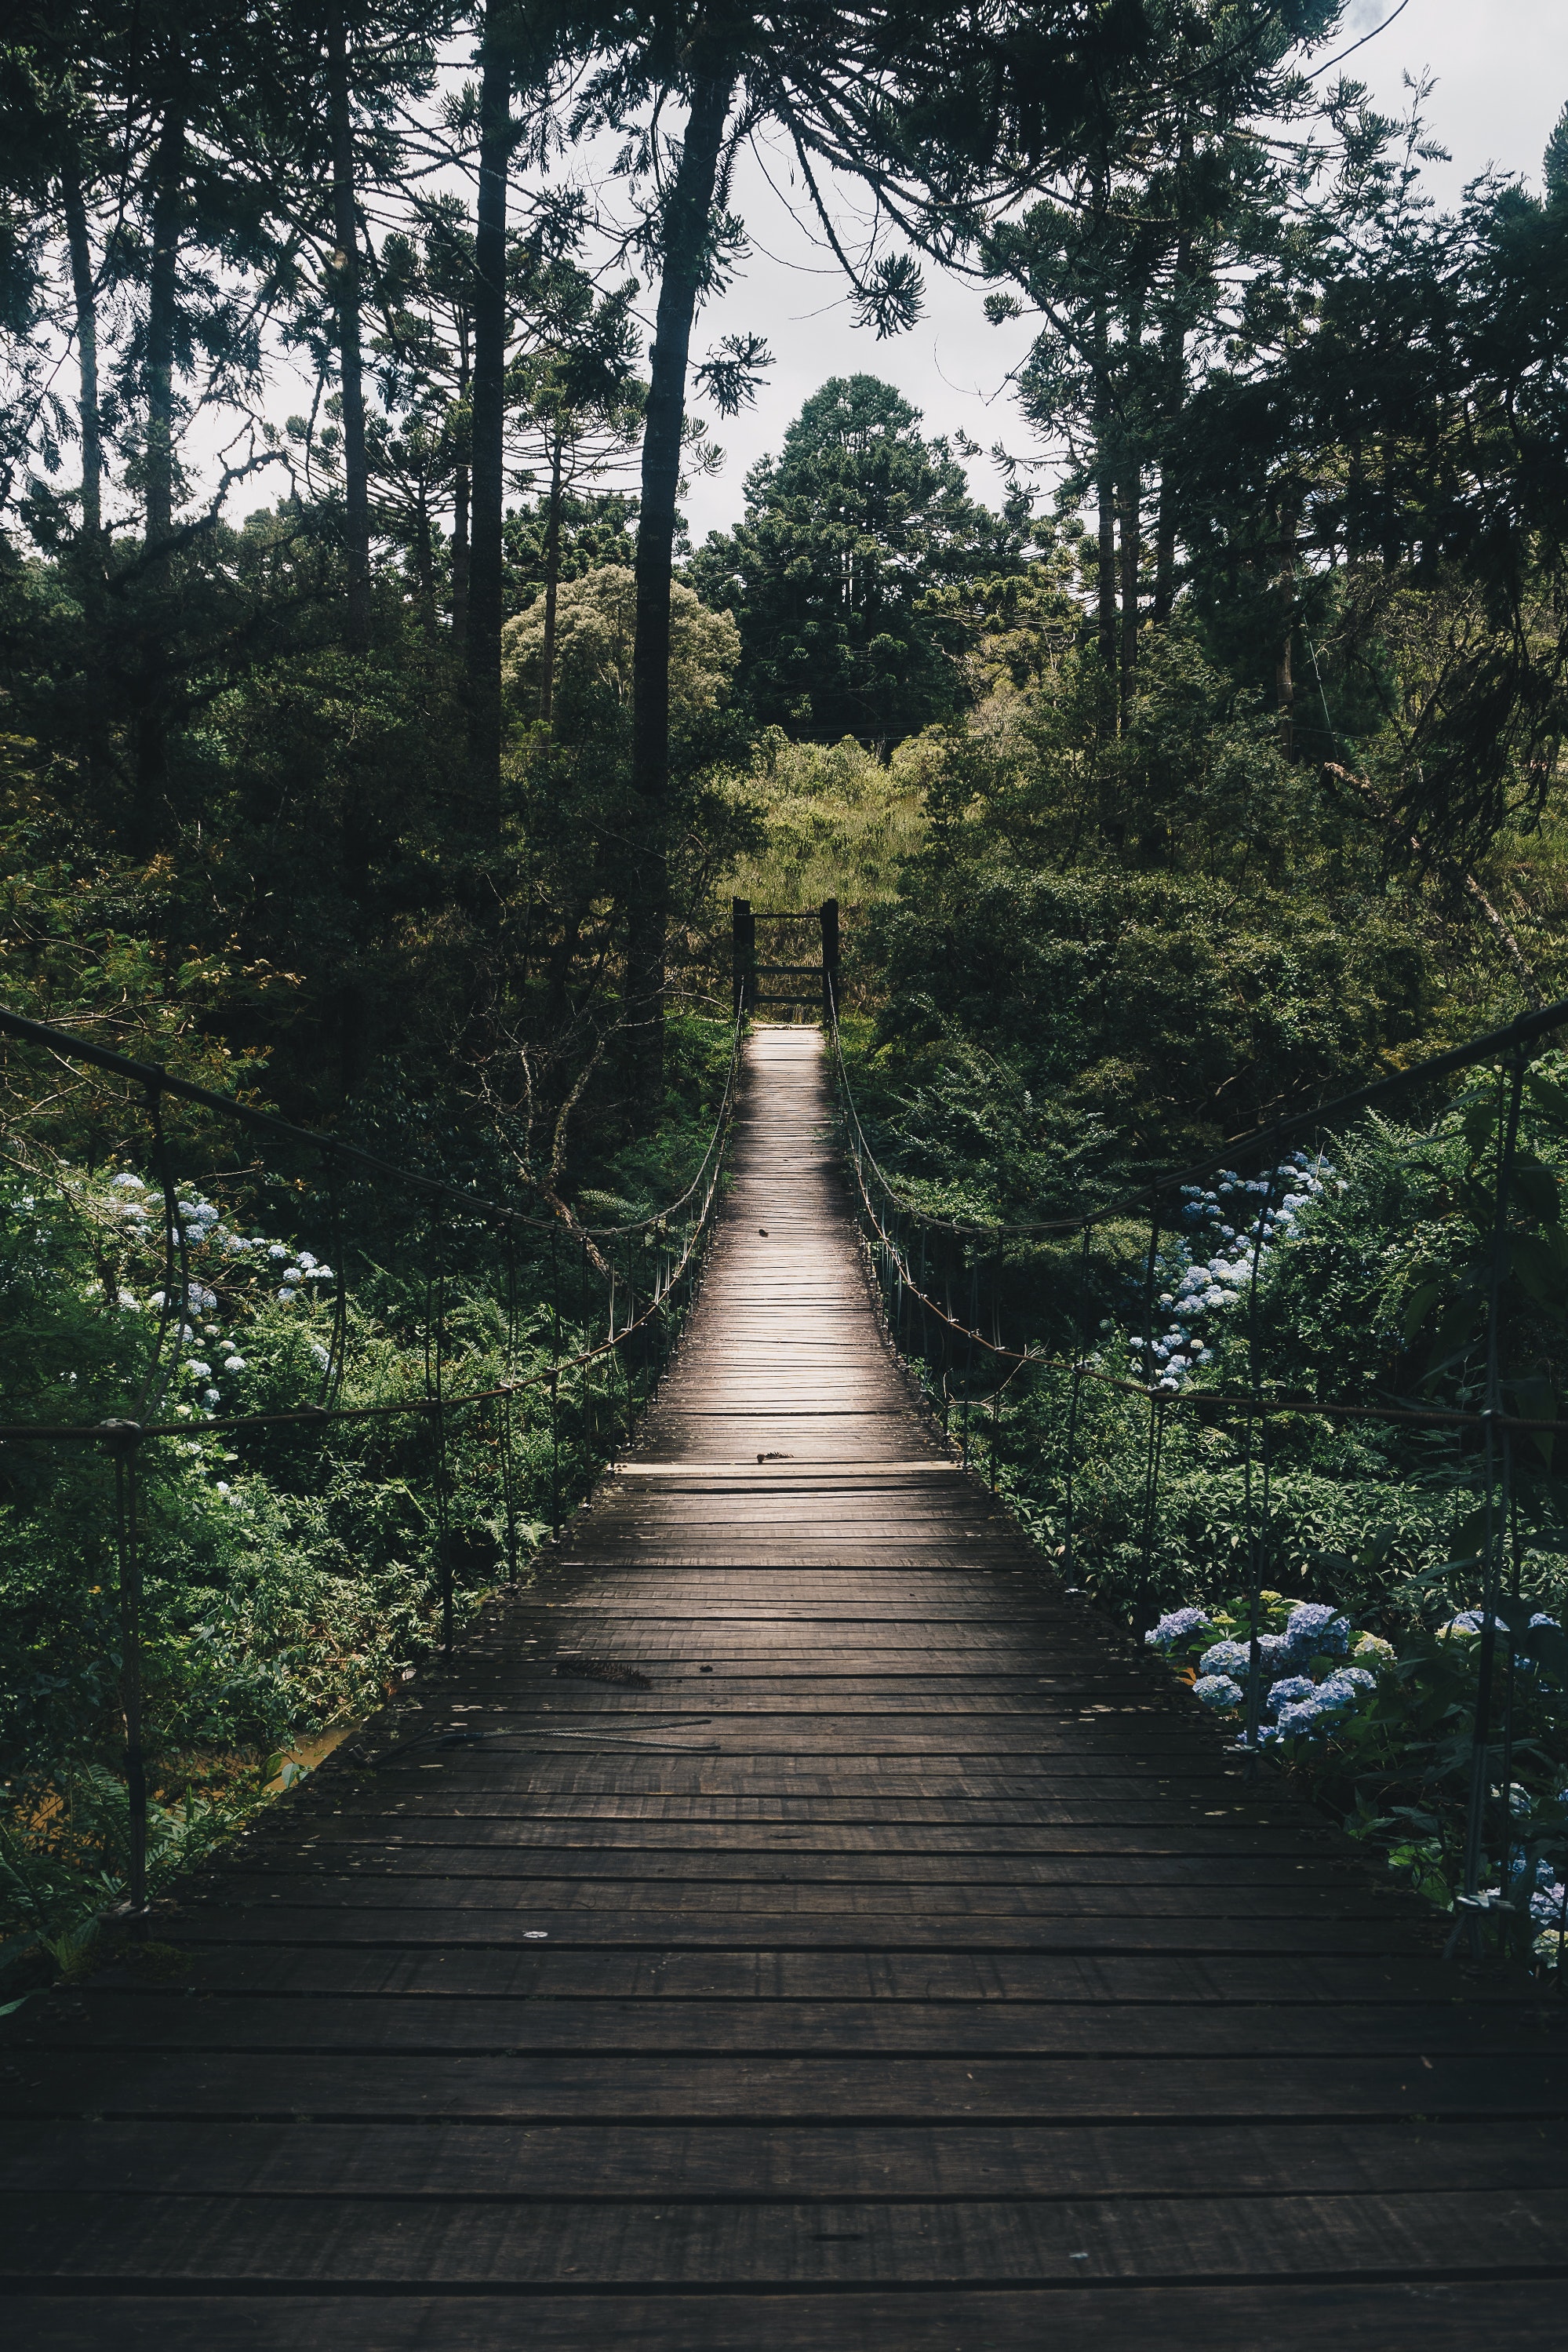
1435	2314
768	2245
737	2087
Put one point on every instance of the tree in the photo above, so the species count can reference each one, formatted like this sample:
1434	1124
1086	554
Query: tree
346	287
847	533
595	630
1375	479
1172	217
490	410
580	412
941	114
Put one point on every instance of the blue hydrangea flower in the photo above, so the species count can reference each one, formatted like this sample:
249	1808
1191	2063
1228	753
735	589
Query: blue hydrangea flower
1473	1620
1217	1691
1292	1689
1304	1715
1546	1906
1341	1689
1176	1625
1226	1658
1314	1629
1543	1873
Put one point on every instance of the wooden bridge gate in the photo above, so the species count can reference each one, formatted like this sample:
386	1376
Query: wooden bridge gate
748	973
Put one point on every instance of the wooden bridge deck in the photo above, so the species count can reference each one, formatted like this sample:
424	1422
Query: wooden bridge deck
890	1960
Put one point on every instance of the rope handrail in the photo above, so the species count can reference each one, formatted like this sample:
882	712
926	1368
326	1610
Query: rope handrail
158	1080
645	1301
948	1349
1434	1415
120	1431
1492	1043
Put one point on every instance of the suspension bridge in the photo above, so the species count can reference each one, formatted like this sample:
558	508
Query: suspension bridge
793	1921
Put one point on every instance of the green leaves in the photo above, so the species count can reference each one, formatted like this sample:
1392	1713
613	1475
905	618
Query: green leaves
1548	1097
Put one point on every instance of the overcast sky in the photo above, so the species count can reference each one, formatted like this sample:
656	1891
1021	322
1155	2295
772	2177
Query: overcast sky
1502	78
1501	68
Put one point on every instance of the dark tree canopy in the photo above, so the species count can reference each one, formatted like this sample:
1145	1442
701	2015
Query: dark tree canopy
835	575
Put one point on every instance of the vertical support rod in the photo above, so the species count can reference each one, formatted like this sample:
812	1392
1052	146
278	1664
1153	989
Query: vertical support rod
1475	1825
129	1561
1152	1459
1254	1555
555	1390
830	921
743	957
508	1408
970	1356
1070	1530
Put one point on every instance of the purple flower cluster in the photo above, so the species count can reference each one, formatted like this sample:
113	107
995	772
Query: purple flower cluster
1176	1625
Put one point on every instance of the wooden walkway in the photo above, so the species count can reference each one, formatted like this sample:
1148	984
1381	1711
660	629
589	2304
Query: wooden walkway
835	1938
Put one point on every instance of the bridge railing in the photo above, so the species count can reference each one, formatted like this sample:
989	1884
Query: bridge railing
1038	1320
587	1315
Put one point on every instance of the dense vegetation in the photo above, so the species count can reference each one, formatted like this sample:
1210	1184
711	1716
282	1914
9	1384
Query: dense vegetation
393	762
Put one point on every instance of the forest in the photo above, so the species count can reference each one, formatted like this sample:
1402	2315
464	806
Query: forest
388	766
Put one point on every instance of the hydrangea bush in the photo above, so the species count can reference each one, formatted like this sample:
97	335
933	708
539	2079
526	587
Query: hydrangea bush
290	1578
1349	1714
1231	1227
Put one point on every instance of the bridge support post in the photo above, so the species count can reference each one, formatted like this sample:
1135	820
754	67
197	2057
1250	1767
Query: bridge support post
829	914
743	956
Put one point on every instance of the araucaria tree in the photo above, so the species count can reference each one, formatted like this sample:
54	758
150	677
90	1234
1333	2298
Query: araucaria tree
837	573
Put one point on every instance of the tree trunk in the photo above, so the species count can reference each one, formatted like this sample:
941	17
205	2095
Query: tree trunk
1106	487
484	567
346	296
85	296
169	174
1174	373
553	579
1172	384
460	509
1131	506
424	558
686	231
1285	680
1132	520
151	792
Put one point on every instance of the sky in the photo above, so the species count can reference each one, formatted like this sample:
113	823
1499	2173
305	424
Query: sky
1501	69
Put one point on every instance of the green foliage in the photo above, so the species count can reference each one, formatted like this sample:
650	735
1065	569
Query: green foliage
596	618
848	533
836	821
1168	1007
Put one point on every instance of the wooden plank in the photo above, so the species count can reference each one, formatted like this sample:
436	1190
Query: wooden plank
575	1970
509	2027
768	2245
737	2085
246	2156
393	1928
793	1897
1372	2316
